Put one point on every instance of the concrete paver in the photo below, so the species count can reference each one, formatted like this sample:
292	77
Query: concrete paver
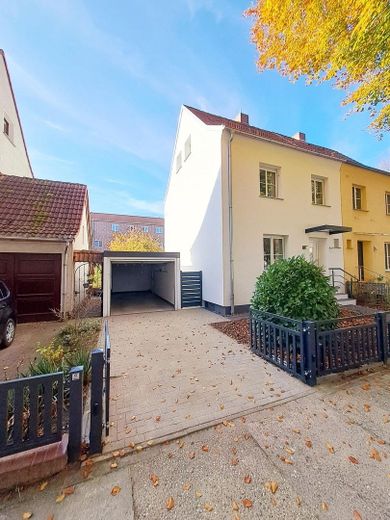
171	373
23	349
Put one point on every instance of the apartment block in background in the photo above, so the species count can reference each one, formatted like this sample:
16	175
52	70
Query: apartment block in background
104	225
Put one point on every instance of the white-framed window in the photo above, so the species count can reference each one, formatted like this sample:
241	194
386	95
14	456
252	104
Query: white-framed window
187	148
7	127
179	162
115	227
387	203
273	249
159	230
318	191
387	256
145	229
357	197
268	182
97	243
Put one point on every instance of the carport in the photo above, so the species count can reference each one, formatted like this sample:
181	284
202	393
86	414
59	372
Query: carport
136	282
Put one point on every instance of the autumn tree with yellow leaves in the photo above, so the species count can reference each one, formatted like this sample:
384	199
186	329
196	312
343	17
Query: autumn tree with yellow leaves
134	241
347	41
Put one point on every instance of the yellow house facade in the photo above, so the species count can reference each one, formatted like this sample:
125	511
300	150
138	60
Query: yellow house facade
365	199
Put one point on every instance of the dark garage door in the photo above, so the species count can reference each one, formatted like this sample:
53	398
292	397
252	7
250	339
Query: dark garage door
35	282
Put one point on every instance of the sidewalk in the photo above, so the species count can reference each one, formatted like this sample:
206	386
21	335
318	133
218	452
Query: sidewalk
322	456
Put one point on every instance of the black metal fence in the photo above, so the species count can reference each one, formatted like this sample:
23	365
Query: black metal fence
308	349
369	293
100	393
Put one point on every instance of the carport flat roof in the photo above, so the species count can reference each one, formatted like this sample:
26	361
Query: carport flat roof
139	254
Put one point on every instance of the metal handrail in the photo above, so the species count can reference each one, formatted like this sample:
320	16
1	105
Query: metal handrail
364	268
343	276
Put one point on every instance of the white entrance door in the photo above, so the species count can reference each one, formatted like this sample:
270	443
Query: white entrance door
315	250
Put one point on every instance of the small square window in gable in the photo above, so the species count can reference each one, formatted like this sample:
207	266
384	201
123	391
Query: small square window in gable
187	148
179	162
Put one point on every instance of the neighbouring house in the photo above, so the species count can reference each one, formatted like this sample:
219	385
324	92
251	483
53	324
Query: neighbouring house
42	222
14	159
104	225
240	197
366	209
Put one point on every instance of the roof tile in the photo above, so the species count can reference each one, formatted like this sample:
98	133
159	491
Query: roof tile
37	208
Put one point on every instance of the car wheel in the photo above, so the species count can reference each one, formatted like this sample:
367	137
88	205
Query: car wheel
9	333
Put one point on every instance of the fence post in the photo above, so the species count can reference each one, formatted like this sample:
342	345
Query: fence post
95	435
75	412
309	352
383	335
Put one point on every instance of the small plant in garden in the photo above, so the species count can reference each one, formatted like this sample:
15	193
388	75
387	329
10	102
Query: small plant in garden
295	288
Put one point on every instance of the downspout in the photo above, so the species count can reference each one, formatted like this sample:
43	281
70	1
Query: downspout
64	279
230	191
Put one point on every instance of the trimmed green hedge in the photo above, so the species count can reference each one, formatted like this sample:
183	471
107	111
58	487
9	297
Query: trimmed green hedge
295	288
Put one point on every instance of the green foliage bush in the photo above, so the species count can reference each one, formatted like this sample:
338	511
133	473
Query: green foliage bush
295	288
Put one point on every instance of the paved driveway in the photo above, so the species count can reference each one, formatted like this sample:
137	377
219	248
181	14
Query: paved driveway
172	373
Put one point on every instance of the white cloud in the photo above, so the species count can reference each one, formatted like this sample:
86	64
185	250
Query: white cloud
153	207
56	126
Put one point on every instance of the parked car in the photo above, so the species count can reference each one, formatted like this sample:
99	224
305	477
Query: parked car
7	316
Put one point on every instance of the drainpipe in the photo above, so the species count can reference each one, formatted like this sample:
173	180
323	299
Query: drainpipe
64	278
231	262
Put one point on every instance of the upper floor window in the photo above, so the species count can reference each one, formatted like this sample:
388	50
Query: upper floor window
115	227
358	193
7	127
97	243
268	183
145	229
273	249
179	162
318	191
159	229
387	256
187	148
387	203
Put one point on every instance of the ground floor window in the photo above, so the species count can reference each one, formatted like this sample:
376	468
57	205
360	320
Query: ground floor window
387	256
273	249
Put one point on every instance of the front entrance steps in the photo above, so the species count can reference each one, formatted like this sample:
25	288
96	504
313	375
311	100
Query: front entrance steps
343	299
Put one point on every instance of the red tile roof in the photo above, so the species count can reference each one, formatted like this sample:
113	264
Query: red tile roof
211	119
37	208
126	219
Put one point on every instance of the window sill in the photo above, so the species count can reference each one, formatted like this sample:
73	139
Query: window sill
362	210
9	139
270	198
321	205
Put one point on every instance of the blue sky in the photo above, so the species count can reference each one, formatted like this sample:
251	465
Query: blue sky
99	87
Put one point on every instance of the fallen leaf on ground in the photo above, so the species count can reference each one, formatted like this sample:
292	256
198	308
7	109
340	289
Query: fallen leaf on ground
366	386
170	503
234	462
192	455
324	506
208	507
235	506
330	448
247	503
116	453
247	479
43	485
157	419
113	465
205	448
298	501
286	460
308	443
296	430
60	498
115	491
50	517
69	490
154	479
186	486
357	515
27	515
272	486
289	450
374	454
198	494
353	460
367	407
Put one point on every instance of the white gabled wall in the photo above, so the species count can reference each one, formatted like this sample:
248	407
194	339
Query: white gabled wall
193	204
13	156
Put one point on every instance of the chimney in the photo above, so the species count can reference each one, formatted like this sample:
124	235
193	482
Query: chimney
300	136
242	118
